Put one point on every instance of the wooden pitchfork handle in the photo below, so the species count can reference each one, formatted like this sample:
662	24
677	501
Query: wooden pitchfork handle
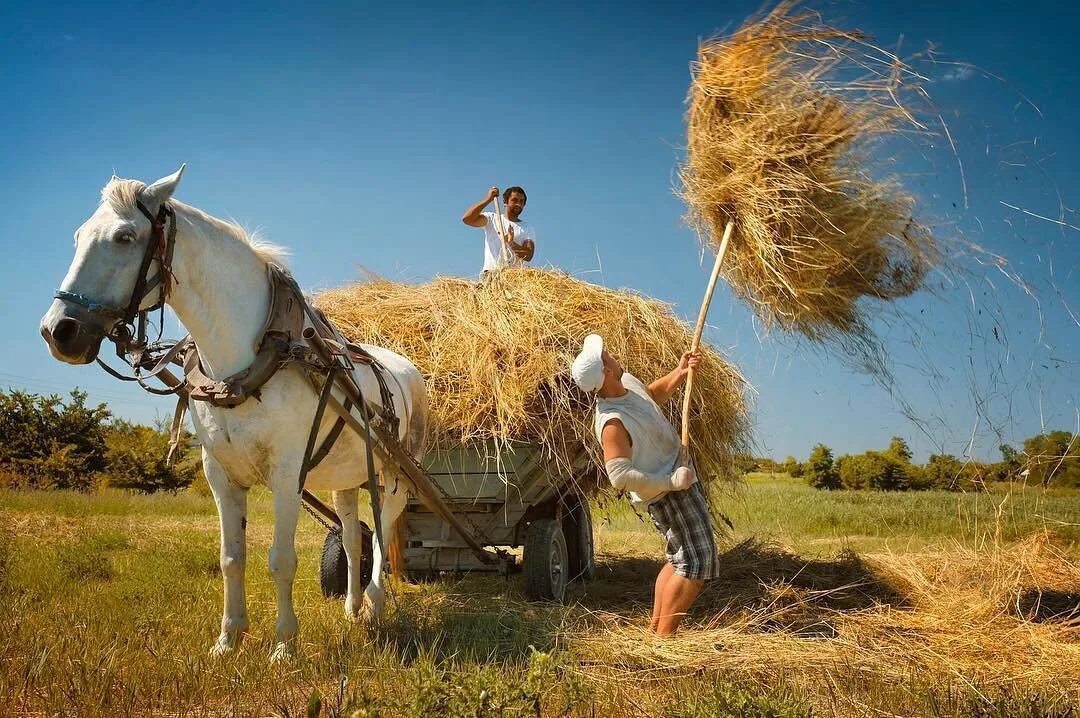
500	227
697	336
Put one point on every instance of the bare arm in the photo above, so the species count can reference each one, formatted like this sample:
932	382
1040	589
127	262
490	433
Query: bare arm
665	387
624	477
474	215
616	441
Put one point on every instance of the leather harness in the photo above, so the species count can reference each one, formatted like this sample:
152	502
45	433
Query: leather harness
281	344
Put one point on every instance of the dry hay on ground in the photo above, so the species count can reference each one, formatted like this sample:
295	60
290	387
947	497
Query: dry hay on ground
954	617
782	120
496	356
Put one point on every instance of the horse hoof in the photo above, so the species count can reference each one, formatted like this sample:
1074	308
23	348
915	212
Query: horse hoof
353	610
222	646
370	612
283	652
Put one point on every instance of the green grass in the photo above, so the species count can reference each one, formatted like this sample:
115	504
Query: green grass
814	521
109	603
821	523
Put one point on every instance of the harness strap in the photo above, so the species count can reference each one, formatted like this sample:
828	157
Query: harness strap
112	372
157	248
313	434
364	410
236	389
348	353
373	482
176	432
331	438
385	395
282	329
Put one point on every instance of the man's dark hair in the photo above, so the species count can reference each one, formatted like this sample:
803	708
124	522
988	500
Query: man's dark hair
510	190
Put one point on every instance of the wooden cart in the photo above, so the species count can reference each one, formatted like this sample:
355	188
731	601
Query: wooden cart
506	498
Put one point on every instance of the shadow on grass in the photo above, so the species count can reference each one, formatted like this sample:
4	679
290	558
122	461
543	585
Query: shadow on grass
489	620
793	593
1043	605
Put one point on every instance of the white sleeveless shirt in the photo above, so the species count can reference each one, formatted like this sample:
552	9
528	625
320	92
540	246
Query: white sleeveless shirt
496	254
655	442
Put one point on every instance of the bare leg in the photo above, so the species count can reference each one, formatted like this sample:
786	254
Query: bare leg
283	562
678	595
346	504
658	592
231	503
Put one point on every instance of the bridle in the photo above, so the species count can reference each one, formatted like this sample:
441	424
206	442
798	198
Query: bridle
128	331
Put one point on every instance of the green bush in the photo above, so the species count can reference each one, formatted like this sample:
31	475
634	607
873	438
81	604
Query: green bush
793	468
946	472
728	700
849	475
51	444
820	471
879	470
1053	458
135	458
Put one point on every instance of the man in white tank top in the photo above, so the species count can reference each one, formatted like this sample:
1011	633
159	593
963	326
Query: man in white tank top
643	457
509	241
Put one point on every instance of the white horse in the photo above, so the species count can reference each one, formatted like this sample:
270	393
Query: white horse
221	295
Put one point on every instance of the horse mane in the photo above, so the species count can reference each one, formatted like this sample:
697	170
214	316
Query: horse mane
122	194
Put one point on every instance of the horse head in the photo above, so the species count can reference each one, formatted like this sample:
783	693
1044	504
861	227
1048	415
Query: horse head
115	259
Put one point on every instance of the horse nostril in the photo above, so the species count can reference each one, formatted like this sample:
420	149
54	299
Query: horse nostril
65	331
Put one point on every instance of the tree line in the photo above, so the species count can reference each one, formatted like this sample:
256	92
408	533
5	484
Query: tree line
1049	459
52	443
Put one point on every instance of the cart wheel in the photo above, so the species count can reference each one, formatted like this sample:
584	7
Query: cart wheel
577	528
334	566
545	561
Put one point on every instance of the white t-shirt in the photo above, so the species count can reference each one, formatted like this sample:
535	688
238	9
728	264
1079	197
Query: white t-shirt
496	254
656	444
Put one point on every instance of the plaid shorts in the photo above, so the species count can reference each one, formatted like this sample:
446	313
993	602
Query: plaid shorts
682	518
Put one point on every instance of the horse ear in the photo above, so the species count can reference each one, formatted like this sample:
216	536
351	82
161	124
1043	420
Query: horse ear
162	190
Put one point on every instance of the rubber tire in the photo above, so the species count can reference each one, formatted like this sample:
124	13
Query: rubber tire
334	565
543	538
578	530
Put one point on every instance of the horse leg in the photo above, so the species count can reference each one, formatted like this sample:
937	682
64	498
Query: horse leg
345	502
231	503
283	558
394	498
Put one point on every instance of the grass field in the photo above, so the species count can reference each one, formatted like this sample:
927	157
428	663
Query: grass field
830	604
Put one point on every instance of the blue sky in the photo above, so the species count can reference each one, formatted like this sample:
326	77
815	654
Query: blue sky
356	134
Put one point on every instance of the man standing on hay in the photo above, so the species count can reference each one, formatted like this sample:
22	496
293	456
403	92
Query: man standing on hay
508	240
643	456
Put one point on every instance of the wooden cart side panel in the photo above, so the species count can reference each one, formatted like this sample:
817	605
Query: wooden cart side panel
496	493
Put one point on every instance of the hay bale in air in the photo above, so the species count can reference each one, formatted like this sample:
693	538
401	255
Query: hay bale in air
783	116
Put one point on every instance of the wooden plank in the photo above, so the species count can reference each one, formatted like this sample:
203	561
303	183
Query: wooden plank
389	451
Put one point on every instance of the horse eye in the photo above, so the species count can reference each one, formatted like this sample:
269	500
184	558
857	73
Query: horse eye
124	237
